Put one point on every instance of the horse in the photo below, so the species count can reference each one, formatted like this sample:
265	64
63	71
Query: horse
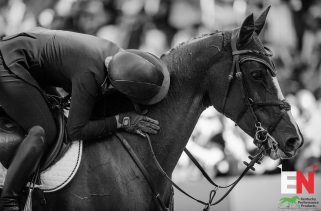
108	179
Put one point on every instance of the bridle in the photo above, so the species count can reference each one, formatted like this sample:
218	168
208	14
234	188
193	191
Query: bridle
261	134
261	137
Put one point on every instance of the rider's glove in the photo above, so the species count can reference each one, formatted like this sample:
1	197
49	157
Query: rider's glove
138	124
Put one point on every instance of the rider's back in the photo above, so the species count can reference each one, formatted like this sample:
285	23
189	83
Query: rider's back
54	57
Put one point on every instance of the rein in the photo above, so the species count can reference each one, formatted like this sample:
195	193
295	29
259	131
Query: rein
265	146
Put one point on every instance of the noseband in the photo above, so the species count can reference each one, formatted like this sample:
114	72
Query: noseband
261	134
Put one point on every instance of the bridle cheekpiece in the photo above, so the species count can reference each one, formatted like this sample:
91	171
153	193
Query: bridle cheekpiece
262	137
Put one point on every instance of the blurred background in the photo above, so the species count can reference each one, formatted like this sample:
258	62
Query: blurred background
292	31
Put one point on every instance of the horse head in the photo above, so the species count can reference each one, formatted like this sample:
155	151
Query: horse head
248	92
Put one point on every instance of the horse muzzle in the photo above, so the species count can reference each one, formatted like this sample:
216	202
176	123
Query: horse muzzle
263	139
292	144
271	146
275	152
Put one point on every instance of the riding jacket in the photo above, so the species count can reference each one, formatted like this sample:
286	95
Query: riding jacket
73	61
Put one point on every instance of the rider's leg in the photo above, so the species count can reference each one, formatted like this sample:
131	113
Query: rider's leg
24	104
23	165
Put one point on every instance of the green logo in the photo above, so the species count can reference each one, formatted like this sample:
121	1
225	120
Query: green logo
287	202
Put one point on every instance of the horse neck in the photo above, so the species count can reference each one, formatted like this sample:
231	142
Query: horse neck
177	119
179	111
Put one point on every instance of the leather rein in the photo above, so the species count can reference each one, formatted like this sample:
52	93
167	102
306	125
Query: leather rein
261	137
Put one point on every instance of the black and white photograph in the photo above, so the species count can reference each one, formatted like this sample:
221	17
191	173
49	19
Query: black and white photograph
160	105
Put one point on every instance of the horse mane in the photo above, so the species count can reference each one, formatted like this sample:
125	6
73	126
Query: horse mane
183	48
184	43
179	58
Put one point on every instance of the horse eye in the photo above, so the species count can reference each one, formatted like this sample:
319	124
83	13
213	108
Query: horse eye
257	75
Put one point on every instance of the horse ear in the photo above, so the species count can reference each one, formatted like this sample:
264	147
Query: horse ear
260	21
246	30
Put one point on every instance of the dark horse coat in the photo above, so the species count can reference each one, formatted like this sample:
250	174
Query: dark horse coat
108	179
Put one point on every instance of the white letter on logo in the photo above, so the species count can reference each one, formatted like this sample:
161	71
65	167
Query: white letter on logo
288	182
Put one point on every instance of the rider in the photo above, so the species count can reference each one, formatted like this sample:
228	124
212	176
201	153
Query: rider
86	67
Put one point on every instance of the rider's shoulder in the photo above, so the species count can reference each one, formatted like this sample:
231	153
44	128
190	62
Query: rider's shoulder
32	33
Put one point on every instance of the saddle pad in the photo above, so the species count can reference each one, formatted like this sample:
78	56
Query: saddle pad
61	173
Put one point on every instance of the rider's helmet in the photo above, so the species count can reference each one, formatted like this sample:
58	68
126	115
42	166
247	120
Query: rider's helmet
141	76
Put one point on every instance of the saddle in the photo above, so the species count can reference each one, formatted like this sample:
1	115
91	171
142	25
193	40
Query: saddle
11	135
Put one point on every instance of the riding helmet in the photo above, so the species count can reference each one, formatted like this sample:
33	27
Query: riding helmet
143	77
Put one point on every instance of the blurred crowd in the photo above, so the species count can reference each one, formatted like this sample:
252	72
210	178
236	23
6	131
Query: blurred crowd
293	32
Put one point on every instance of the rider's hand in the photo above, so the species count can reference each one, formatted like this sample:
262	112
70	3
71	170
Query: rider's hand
138	124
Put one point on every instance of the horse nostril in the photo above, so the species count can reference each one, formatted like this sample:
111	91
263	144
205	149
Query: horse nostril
292	144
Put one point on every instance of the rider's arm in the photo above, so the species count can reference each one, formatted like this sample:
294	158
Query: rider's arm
84	93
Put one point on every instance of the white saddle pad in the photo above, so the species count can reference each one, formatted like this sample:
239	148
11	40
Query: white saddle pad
60	174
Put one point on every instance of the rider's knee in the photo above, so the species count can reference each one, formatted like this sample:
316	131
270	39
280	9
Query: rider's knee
36	139
47	134
38	132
